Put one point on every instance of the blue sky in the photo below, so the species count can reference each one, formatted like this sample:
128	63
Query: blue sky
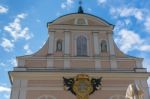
23	27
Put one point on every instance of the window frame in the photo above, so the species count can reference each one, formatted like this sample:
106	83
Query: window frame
83	41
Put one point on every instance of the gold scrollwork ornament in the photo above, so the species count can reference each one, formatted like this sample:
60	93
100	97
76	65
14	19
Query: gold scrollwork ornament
82	86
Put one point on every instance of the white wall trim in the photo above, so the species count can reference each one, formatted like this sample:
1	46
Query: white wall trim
61	88
23	89
117	97
113	63
96	44
46	97
15	89
111	44
97	64
67	43
51	42
66	63
50	63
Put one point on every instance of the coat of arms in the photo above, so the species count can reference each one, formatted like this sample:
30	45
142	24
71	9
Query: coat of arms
82	85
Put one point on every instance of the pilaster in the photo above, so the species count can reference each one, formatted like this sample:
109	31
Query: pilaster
50	63
96	44
67	42
23	88
113	61
15	89
66	63
51	42
97	64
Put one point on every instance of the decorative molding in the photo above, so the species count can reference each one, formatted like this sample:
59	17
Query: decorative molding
90	57
46	97
82	85
58	75
60	88
117	97
77	19
83	28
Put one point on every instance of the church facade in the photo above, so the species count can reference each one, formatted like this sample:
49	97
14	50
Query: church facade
80	47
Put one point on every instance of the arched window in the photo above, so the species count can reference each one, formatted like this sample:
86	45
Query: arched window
81	46
59	45
81	22
103	46
46	97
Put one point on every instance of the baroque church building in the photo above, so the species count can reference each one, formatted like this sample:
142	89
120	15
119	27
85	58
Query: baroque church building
80	60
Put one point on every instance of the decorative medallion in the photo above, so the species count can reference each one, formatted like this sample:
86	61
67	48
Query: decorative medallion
82	85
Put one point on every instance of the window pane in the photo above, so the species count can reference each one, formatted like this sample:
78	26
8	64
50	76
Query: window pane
81	46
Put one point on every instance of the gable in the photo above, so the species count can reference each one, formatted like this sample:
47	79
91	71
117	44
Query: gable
78	19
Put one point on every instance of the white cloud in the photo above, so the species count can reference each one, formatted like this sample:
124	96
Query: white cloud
89	9
7	44
63	6
2	64
127	12
3	9
22	15
129	40
127	21
101	1
67	4
7	95
15	29
38	21
144	47
13	62
147	24
119	25
4	89
58	14
27	49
